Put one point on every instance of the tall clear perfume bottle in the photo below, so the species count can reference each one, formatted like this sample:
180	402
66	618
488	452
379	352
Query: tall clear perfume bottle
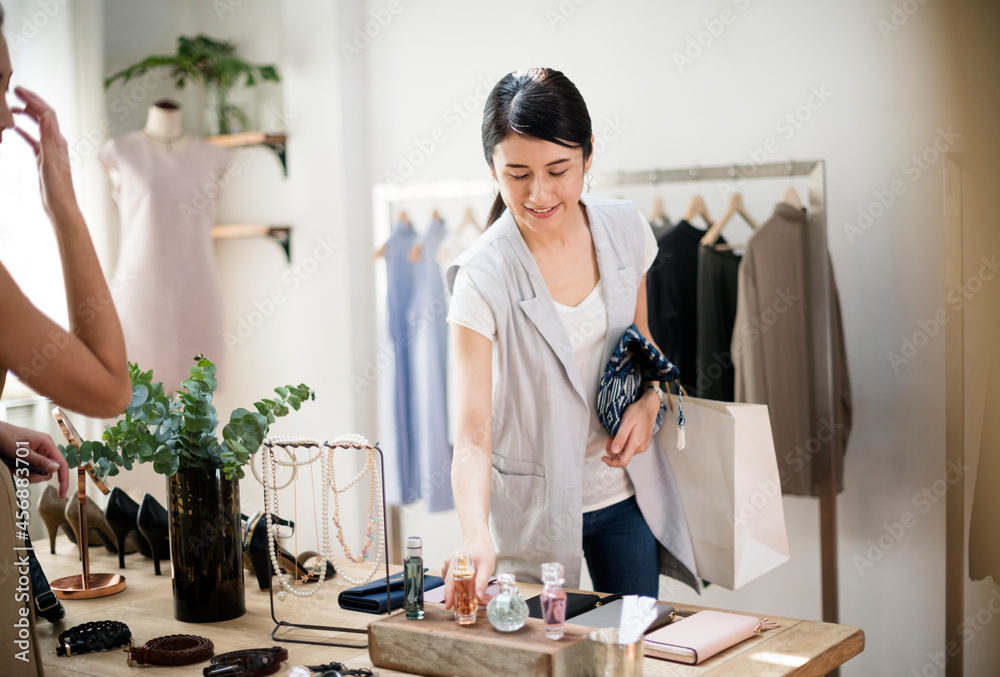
553	600
413	578
463	569
507	611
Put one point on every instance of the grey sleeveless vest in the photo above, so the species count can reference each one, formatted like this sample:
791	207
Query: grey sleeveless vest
540	412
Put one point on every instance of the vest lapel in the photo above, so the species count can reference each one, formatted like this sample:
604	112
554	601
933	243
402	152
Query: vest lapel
619	282
541	309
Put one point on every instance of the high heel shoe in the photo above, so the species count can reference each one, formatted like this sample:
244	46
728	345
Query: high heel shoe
257	554
52	510
121	513
96	525
154	525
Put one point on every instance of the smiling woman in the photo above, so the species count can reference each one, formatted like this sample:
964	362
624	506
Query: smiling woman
536	303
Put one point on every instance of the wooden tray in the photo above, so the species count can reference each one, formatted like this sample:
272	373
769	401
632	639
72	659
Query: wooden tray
439	646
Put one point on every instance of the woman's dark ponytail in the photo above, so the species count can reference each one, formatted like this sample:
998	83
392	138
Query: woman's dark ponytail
540	103
496	211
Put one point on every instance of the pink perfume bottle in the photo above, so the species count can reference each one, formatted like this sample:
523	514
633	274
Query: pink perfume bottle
553	600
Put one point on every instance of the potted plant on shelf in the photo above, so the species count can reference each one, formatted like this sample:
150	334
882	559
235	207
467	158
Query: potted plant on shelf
178	437
214	65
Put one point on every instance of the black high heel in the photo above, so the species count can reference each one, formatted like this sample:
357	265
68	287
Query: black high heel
274	520
256	550
121	513
154	525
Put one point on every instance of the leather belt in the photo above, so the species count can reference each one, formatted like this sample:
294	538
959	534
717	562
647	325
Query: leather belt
172	650
247	663
93	636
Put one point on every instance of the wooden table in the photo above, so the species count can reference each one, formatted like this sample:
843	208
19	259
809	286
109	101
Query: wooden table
797	648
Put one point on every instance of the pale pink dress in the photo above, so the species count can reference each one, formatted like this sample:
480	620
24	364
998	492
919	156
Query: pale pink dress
166	286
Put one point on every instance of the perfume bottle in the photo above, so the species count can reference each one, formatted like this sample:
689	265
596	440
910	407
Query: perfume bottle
553	600
463	570
413	578
507	611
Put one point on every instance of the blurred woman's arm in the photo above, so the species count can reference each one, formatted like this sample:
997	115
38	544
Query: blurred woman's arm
84	369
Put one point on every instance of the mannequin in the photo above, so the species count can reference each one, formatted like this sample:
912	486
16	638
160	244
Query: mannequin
167	185
164	127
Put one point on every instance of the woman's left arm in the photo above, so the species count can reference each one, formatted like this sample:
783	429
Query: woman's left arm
639	418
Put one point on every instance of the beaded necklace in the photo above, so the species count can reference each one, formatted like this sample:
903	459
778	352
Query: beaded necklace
324	455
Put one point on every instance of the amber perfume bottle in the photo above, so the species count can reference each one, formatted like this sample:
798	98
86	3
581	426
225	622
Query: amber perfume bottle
413	578
553	600
463	570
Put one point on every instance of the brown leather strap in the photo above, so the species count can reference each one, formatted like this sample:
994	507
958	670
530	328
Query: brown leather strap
247	663
172	650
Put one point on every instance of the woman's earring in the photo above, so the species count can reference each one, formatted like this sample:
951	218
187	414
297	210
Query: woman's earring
587	178
494	187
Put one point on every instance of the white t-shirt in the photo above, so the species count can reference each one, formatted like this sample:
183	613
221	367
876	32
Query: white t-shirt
587	327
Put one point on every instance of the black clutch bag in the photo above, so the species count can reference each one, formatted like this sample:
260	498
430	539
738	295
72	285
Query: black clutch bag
576	603
370	598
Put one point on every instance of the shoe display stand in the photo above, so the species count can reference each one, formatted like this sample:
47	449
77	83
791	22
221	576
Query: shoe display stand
280	624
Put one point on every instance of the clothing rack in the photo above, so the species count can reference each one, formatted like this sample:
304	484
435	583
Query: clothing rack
817	284
818	329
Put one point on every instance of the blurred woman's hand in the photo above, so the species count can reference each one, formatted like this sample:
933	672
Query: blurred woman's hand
52	154
42	454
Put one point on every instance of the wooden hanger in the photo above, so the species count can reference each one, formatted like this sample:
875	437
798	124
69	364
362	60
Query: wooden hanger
791	197
696	207
469	219
402	217
734	207
659	214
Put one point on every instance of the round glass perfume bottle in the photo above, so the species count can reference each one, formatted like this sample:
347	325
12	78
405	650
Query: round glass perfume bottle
507	611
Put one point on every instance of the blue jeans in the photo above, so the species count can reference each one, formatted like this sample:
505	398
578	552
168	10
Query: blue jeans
621	551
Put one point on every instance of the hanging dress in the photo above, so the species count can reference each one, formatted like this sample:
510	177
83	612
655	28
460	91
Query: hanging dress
429	362
166	286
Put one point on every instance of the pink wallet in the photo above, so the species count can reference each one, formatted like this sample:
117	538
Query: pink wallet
696	638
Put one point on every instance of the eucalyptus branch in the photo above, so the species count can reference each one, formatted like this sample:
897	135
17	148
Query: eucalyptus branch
180	433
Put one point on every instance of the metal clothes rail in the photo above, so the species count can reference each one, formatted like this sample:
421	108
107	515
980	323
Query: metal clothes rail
816	275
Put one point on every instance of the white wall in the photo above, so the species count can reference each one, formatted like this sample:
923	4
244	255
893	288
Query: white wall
885	102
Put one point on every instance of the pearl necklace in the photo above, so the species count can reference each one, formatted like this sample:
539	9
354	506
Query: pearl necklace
325	453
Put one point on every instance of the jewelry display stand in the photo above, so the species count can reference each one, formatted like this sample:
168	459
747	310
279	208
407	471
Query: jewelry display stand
319	452
88	585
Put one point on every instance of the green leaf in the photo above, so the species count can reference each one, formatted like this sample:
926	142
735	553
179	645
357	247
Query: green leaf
70	453
140	394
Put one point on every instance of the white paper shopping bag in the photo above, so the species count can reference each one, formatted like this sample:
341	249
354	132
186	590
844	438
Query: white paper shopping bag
728	480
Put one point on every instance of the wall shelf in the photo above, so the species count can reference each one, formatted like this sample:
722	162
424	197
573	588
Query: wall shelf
276	142
280	234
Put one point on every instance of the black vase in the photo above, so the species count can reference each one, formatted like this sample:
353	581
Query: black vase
206	547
